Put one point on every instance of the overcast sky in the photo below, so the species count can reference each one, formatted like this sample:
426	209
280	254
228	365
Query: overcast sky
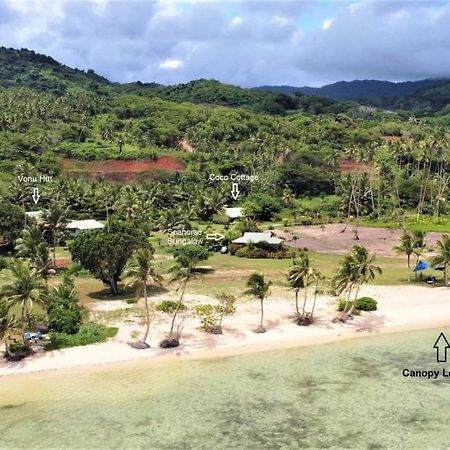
249	43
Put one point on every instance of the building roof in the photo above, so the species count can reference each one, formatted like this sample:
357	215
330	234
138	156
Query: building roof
233	213
35	214
258	237
89	224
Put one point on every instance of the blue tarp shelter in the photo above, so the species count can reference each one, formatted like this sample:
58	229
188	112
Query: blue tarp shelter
421	265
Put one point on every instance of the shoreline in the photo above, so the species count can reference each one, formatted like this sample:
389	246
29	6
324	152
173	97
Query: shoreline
401	309
172	356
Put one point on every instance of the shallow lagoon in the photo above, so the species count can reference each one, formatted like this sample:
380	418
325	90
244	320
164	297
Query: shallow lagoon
351	394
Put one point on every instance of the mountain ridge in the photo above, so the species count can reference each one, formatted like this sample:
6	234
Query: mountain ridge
26	68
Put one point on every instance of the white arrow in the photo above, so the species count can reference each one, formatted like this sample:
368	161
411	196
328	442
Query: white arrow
36	195
235	191
214	237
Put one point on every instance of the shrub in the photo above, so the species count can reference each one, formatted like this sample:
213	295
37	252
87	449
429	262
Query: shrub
261	206
264	250
366	304
169	306
87	334
362	304
64	311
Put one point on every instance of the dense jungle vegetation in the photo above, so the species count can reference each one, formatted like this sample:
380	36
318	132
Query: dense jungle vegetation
50	113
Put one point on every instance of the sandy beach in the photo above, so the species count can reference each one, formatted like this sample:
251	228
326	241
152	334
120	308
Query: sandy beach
400	308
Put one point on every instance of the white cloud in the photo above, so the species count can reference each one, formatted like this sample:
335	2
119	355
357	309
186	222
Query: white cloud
244	42
236	21
326	24
171	64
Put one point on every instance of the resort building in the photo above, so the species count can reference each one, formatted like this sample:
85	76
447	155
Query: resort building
77	226
255	238
36	215
233	213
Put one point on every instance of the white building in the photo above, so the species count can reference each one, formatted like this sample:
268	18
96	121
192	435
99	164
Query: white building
77	226
233	213
37	215
255	238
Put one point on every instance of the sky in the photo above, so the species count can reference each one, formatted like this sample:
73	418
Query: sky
247	42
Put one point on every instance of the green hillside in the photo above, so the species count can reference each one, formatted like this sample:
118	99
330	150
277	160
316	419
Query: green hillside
40	72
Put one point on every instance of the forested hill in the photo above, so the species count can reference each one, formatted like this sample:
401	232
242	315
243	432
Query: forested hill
361	89
26	68
422	97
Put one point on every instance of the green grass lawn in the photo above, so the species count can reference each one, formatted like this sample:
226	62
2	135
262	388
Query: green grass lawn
427	224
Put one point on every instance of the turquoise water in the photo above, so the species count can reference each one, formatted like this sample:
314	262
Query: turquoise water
346	395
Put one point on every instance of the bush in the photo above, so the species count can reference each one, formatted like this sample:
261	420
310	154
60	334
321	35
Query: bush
64	311
362	304
366	304
169	306
87	334
264	250
261	206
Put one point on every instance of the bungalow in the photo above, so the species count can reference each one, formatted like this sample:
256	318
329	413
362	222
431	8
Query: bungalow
255	238
36	215
77	226
233	213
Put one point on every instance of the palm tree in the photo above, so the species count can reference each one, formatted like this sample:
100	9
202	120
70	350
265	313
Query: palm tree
355	270
55	218
344	280
185	268
26	246
6	322
406	247
22	285
365	269
298	278
259	288
442	259
139	271
316	277
418	239
42	262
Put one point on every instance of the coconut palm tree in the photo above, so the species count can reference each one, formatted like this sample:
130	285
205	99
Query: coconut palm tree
364	268
26	246
418	239
299	272
442	259
316	277
55	218
344	280
42	262
406	247
139	271
6	322
354	270
259	288
22	285
185	269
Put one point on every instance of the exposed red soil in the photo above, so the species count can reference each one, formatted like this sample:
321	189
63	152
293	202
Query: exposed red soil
119	170
61	263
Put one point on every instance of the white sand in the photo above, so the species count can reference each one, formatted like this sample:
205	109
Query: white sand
399	308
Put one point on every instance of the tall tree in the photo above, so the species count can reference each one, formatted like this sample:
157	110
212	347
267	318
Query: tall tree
22	285
406	247
185	268
442	259
140	270
259	288
299	272
55	219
